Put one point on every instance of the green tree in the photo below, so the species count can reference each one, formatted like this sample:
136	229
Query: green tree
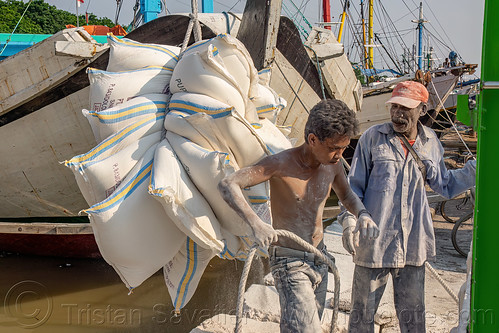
40	18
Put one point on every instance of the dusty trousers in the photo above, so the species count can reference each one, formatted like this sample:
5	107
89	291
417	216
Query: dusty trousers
368	288
302	288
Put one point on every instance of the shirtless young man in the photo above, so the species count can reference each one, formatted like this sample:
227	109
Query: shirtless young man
301	179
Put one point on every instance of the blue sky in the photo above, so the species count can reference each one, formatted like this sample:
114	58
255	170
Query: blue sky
458	22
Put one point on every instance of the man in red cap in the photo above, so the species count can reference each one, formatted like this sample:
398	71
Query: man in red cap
391	165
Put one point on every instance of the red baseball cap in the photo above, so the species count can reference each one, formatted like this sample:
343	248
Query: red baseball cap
409	94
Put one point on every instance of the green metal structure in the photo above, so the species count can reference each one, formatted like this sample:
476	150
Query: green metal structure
485	287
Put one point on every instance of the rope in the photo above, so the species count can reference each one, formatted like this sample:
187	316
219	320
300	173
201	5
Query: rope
450	120
227	22
302	15
289	84
242	286
197	26
193	25
318	65
8	39
309	248
442	282
187	37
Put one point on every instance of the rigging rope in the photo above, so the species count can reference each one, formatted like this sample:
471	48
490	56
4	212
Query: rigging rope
318	66
445	33
309	248
290	86
195	25
118	10
301	28
8	39
450	120
302	15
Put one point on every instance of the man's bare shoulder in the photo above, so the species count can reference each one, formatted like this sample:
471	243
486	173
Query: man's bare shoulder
278	160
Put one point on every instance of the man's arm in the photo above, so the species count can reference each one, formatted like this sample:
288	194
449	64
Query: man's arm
352	203
231	189
450	183
358	177
354	189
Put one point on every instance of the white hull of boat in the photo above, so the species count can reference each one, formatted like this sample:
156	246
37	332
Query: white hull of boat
376	111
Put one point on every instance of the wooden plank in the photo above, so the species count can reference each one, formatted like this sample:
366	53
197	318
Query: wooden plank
259	30
291	47
34	183
452	140
34	71
300	97
79	49
46	228
337	73
331	212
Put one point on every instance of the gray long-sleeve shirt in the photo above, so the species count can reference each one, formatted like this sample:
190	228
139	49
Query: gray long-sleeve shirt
392	189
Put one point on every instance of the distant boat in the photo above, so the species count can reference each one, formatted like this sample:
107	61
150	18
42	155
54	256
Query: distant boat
360	48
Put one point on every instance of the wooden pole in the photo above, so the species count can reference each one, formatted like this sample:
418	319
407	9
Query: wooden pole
259	28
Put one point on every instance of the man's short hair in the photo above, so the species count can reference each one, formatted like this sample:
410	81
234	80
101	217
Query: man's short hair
331	117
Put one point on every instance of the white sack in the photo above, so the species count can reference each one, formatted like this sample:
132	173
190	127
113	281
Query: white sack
183	272
110	121
267	103
133	233
99	178
264	76
234	132
182	105
181	200
216	126
126	54
206	169
108	89
201	73
128	139
272	136
234	57
175	122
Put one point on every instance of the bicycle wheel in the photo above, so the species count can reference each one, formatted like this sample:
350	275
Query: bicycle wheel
462	234
452	210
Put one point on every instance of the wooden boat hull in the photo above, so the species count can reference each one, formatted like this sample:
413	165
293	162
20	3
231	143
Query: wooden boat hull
61	239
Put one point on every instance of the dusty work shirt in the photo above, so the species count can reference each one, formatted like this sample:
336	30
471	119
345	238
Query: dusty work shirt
392	189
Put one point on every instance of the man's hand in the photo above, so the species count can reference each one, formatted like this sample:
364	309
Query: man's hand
366	227
352	231
349	237
264	235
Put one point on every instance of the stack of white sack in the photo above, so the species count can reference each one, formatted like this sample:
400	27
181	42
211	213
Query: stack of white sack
153	197
128	105
220	119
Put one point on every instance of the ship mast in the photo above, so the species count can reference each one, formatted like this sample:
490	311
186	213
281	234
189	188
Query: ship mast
364	51
370	61
342	24
326	14
420	35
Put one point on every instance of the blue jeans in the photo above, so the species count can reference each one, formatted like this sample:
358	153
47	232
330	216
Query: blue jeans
302	287
367	290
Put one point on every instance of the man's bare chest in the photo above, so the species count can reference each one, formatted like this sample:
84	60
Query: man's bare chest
307	191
